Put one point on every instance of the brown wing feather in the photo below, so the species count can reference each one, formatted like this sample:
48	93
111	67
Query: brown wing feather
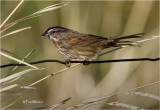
80	39
127	36
116	41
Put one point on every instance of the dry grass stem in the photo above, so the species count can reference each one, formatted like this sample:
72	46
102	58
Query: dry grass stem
17	75
124	105
22	60
49	8
12	103
52	107
138	87
15	85
15	59
11	14
4	50
14	79
119	104
27	87
89	102
8	87
145	95
16	31
61	103
123	92
108	96
60	71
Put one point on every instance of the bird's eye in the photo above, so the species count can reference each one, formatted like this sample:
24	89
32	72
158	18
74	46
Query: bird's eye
53	32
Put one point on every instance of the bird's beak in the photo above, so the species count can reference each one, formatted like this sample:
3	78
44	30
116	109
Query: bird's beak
43	34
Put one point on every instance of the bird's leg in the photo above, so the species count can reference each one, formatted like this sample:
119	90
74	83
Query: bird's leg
68	63
85	62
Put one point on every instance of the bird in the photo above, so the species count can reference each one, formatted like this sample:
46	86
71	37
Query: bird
79	46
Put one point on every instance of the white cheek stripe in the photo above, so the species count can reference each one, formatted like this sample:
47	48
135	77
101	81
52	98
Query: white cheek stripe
53	38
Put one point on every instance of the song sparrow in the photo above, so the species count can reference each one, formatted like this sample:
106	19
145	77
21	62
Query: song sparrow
81	46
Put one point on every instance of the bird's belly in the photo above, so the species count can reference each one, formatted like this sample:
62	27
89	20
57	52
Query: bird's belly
85	53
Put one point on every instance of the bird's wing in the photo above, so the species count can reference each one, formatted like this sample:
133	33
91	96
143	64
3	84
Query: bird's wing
80	39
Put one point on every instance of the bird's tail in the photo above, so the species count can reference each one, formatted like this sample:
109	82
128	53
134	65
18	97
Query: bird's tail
118	41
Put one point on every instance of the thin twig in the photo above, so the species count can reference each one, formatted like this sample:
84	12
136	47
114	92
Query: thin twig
20	63
53	74
83	62
4	50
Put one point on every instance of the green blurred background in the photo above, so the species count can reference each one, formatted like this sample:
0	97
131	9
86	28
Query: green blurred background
103	18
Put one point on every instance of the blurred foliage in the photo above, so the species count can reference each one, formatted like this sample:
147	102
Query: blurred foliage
104	18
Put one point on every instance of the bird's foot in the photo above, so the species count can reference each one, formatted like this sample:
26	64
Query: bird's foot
85	62
68	63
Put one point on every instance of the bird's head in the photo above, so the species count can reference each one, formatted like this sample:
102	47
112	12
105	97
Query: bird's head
54	33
